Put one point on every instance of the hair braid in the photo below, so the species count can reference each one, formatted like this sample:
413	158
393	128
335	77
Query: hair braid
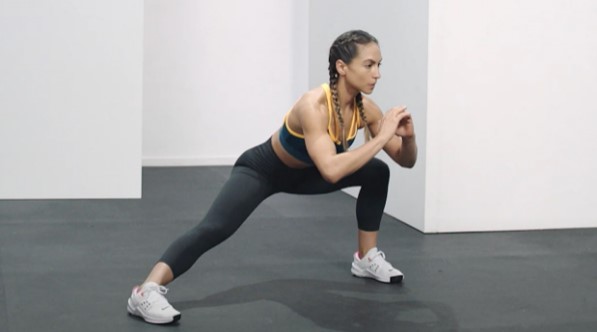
359	99
334	88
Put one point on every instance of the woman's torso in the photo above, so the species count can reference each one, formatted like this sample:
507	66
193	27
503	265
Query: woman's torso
292	132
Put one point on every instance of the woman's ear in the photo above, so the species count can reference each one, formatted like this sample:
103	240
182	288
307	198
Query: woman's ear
341	67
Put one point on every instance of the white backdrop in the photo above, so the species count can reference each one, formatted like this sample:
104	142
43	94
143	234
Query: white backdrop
219	76
70	99
511	137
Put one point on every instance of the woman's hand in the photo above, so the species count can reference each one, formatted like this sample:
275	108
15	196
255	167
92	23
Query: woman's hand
396	121
406	128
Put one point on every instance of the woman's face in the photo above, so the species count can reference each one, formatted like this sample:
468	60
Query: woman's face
363	70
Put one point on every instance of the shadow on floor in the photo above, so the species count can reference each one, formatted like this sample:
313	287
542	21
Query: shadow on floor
340	306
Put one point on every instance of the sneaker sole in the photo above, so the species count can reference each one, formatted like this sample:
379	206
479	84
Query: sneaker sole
364	274
133	312
393	280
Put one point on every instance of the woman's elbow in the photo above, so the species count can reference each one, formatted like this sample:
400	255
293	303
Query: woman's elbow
407	163
331	178
330	174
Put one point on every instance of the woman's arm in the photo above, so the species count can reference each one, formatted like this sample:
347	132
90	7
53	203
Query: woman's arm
334	166
407	156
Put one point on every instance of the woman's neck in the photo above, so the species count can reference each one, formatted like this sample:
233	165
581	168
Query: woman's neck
346	94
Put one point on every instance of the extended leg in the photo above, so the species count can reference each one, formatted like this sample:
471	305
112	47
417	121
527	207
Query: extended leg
241	194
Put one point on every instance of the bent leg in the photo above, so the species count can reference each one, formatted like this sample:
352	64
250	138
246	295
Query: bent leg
373	178
371	202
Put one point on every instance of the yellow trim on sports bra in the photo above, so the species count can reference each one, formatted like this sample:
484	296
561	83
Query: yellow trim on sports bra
352	132
292	132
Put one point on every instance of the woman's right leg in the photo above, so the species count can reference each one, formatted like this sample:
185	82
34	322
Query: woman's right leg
249	184
161	274
242	193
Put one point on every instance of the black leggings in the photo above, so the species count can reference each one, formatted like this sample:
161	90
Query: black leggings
257	174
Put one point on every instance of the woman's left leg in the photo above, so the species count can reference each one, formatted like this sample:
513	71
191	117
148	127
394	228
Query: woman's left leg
373	178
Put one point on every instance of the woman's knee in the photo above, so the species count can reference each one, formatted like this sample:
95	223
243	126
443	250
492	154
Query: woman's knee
376	170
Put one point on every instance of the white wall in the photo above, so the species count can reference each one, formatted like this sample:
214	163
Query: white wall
401	29
219	76
70	98
511	116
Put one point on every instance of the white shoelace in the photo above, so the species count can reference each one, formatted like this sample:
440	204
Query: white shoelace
161	290
383	263
154	286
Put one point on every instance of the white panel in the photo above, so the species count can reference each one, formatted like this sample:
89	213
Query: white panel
219	76
70	98
511	115
401	28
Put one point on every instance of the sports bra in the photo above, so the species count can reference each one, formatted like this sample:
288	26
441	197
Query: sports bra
294	143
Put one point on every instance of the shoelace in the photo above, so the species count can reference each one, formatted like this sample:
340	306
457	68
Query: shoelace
383	261
378	254
162	290
159	289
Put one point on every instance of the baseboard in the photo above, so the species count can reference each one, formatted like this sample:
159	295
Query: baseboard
188	161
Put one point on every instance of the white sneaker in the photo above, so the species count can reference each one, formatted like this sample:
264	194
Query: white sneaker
149	303
374	265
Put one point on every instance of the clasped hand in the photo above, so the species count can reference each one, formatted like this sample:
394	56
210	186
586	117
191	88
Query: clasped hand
397	121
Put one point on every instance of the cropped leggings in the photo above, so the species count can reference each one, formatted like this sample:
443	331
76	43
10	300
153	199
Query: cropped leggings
257	174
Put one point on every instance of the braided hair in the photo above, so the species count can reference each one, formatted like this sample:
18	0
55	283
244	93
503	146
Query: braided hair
345	48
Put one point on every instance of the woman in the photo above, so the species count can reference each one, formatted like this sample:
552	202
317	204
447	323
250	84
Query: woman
307	155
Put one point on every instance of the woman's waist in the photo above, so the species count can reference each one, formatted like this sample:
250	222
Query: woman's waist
284	156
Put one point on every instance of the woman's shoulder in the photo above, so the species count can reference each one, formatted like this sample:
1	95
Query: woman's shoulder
312	100
311	107
316	95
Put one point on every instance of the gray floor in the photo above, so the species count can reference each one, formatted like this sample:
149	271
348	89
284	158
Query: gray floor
70	265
